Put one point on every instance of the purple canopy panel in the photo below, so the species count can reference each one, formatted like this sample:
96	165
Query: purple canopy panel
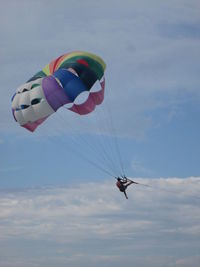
54	93
13	112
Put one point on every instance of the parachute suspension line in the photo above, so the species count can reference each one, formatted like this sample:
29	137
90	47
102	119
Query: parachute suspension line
116	143
108	151
64	145
106	147
153	187
82	140
114	139
100	144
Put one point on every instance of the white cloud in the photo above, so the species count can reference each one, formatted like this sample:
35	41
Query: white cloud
79	220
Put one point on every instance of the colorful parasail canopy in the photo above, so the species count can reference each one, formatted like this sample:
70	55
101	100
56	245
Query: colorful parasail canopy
61	82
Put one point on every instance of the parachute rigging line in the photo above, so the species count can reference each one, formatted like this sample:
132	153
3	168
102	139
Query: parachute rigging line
63	144
76	143
162	189
113	130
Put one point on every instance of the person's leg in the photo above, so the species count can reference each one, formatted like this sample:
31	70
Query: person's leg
125	194
129	183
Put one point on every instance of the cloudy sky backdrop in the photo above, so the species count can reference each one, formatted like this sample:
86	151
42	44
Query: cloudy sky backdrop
56	208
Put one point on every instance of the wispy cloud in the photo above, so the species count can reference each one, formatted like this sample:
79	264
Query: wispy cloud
80	223
139	168
11	169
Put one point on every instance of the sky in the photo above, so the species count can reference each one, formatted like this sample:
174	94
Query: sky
58	202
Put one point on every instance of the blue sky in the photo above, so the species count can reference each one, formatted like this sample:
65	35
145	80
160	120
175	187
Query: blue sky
152	53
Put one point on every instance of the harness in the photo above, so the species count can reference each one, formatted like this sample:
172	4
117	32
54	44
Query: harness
120	186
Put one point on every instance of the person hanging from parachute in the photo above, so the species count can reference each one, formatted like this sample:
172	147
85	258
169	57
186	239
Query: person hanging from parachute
123	183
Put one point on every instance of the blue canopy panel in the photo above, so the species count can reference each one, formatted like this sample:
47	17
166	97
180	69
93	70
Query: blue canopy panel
72	85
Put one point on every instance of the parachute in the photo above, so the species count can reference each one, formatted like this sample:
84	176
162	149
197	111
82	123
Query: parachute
59	83
74	81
